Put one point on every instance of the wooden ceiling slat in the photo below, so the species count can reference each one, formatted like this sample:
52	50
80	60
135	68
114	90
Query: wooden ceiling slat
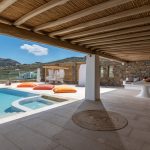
127	13
5	4
119	37
130	55
5	21
145	42
133	50
85	40
106	55
128	52
120	41
142	47
113	27
82	13
39	10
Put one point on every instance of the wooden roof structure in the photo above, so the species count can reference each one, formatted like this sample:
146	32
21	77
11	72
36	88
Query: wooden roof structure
116	29
54	67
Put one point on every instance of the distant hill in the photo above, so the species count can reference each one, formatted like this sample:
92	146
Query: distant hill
71	59
8	62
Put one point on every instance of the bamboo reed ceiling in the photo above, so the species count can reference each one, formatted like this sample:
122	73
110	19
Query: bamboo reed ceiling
116	29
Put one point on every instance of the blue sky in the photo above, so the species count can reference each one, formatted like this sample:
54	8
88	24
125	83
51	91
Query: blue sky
30	52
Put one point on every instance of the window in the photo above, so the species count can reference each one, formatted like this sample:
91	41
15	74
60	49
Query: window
101	71
111	71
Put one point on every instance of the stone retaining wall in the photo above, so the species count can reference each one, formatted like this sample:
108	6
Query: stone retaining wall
139	69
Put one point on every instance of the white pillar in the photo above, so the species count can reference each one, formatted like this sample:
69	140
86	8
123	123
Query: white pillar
92	88
38	78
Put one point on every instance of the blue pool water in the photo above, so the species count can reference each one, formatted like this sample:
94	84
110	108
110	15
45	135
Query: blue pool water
7	96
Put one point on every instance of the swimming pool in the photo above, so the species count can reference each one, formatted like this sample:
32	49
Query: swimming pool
35	103
9	96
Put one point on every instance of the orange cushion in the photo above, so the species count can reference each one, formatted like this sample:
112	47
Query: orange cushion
64	89
44	87
27	84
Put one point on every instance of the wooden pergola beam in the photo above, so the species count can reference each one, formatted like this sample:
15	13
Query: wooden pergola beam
127	13
82	13
145	42
128	52
31	36
5	21
85	40
132	50
119	37
128	46
109	56
5	4
120	41
39	10
113	27
127	55
142	48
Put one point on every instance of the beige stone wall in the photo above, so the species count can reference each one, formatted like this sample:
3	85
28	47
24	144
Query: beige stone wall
118	71
139	69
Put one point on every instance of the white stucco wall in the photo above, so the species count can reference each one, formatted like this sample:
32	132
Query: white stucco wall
82	75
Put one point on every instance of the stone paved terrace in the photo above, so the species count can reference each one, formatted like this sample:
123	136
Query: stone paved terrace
54	129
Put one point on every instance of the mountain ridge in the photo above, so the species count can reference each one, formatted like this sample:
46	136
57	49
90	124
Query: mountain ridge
8	62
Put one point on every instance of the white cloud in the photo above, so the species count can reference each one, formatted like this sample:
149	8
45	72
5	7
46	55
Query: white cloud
35	49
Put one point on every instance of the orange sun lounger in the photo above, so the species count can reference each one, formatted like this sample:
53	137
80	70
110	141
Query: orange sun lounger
44	87
64	89
26	84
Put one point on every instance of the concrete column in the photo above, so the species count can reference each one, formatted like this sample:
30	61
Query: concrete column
92	87
38	78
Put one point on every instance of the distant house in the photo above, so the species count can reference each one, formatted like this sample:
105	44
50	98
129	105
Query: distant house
27	75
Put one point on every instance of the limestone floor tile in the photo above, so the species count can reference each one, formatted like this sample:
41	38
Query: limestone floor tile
144	120
105	137
130	143
42	127
7	145
8	127
140	125
63	122
146	146
66	112
125	113
140	135
125	131
27	139
70	125
75	104
60	147
55	119
77	142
